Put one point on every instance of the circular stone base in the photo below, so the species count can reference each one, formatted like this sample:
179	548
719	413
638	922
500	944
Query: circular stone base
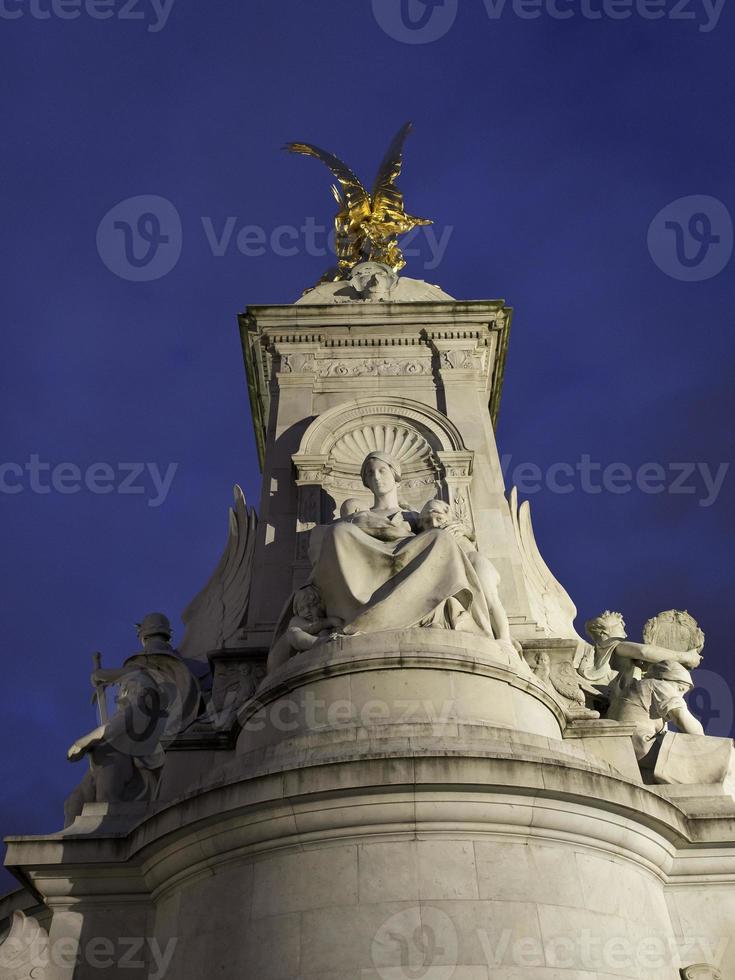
396	678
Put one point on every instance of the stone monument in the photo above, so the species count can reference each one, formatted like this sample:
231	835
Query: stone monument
381	750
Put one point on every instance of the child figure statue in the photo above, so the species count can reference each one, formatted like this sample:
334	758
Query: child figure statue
350	507
308	625
438	514
651	702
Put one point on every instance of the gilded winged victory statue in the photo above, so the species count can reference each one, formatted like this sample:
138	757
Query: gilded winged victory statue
367	225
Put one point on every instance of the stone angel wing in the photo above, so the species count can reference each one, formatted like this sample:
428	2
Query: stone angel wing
213	618
351	193
388	208
550	602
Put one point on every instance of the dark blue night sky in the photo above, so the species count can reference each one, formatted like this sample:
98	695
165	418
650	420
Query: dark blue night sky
545	146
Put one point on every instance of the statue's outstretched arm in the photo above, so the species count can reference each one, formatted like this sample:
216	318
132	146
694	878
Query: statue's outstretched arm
107	676
85	743
652	654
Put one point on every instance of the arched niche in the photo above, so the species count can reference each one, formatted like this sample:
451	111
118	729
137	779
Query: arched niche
434	459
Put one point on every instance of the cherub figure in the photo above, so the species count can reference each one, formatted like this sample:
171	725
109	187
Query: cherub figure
438	514
308	625
650	702
351	506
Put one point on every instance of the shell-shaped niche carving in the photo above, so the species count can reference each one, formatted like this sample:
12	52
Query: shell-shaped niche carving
405	444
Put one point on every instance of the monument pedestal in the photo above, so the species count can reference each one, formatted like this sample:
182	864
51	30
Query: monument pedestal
397	804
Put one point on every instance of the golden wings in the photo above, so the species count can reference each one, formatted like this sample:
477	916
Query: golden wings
367	225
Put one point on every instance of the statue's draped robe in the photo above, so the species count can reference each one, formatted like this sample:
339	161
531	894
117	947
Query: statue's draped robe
388	585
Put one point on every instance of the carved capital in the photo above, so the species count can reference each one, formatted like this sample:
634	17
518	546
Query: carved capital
457	359
297	363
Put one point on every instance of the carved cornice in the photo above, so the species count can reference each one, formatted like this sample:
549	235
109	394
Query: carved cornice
313	345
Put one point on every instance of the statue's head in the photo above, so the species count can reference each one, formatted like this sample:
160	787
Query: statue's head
670	670
605	625
373	281
154	625
435	513
307	604
380	472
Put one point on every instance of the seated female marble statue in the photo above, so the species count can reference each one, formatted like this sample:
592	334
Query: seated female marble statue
377	569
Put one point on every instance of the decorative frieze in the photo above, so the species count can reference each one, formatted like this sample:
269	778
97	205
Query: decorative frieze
345	367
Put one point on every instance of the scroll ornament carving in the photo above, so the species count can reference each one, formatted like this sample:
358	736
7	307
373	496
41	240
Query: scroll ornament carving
426	481
700	971
376	367
24	955
311	475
